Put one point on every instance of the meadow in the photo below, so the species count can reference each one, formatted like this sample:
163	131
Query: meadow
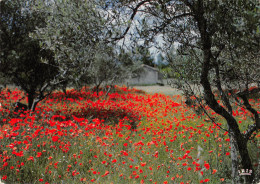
127	136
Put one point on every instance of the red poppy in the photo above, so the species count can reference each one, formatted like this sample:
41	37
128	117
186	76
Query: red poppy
55	138
207	166
143	164
4	177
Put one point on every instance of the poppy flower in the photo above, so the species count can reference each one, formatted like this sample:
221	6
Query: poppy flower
143	164
55	138
207	166
4	177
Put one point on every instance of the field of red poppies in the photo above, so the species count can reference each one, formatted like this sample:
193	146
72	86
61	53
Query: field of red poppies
125	137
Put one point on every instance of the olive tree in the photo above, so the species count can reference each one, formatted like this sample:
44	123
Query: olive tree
110	66
79	33
22	61
218	49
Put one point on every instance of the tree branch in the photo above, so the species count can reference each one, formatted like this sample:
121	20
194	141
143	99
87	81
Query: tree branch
168	21
252	128
222	94
157	29
204	110
131	19
248	92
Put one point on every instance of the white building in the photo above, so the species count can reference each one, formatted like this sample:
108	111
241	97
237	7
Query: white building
148	76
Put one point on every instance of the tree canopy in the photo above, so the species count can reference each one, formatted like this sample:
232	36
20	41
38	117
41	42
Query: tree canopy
23	62
79	33
47	44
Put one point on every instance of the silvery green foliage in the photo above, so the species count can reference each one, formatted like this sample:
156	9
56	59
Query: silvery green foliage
232	25
82	34
74	30
110	66
22	61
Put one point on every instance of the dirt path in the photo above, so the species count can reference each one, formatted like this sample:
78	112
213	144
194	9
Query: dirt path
167	90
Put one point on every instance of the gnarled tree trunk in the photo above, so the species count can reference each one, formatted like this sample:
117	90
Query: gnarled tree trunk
237	138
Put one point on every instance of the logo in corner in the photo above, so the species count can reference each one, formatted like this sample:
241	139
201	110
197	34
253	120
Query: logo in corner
245	172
